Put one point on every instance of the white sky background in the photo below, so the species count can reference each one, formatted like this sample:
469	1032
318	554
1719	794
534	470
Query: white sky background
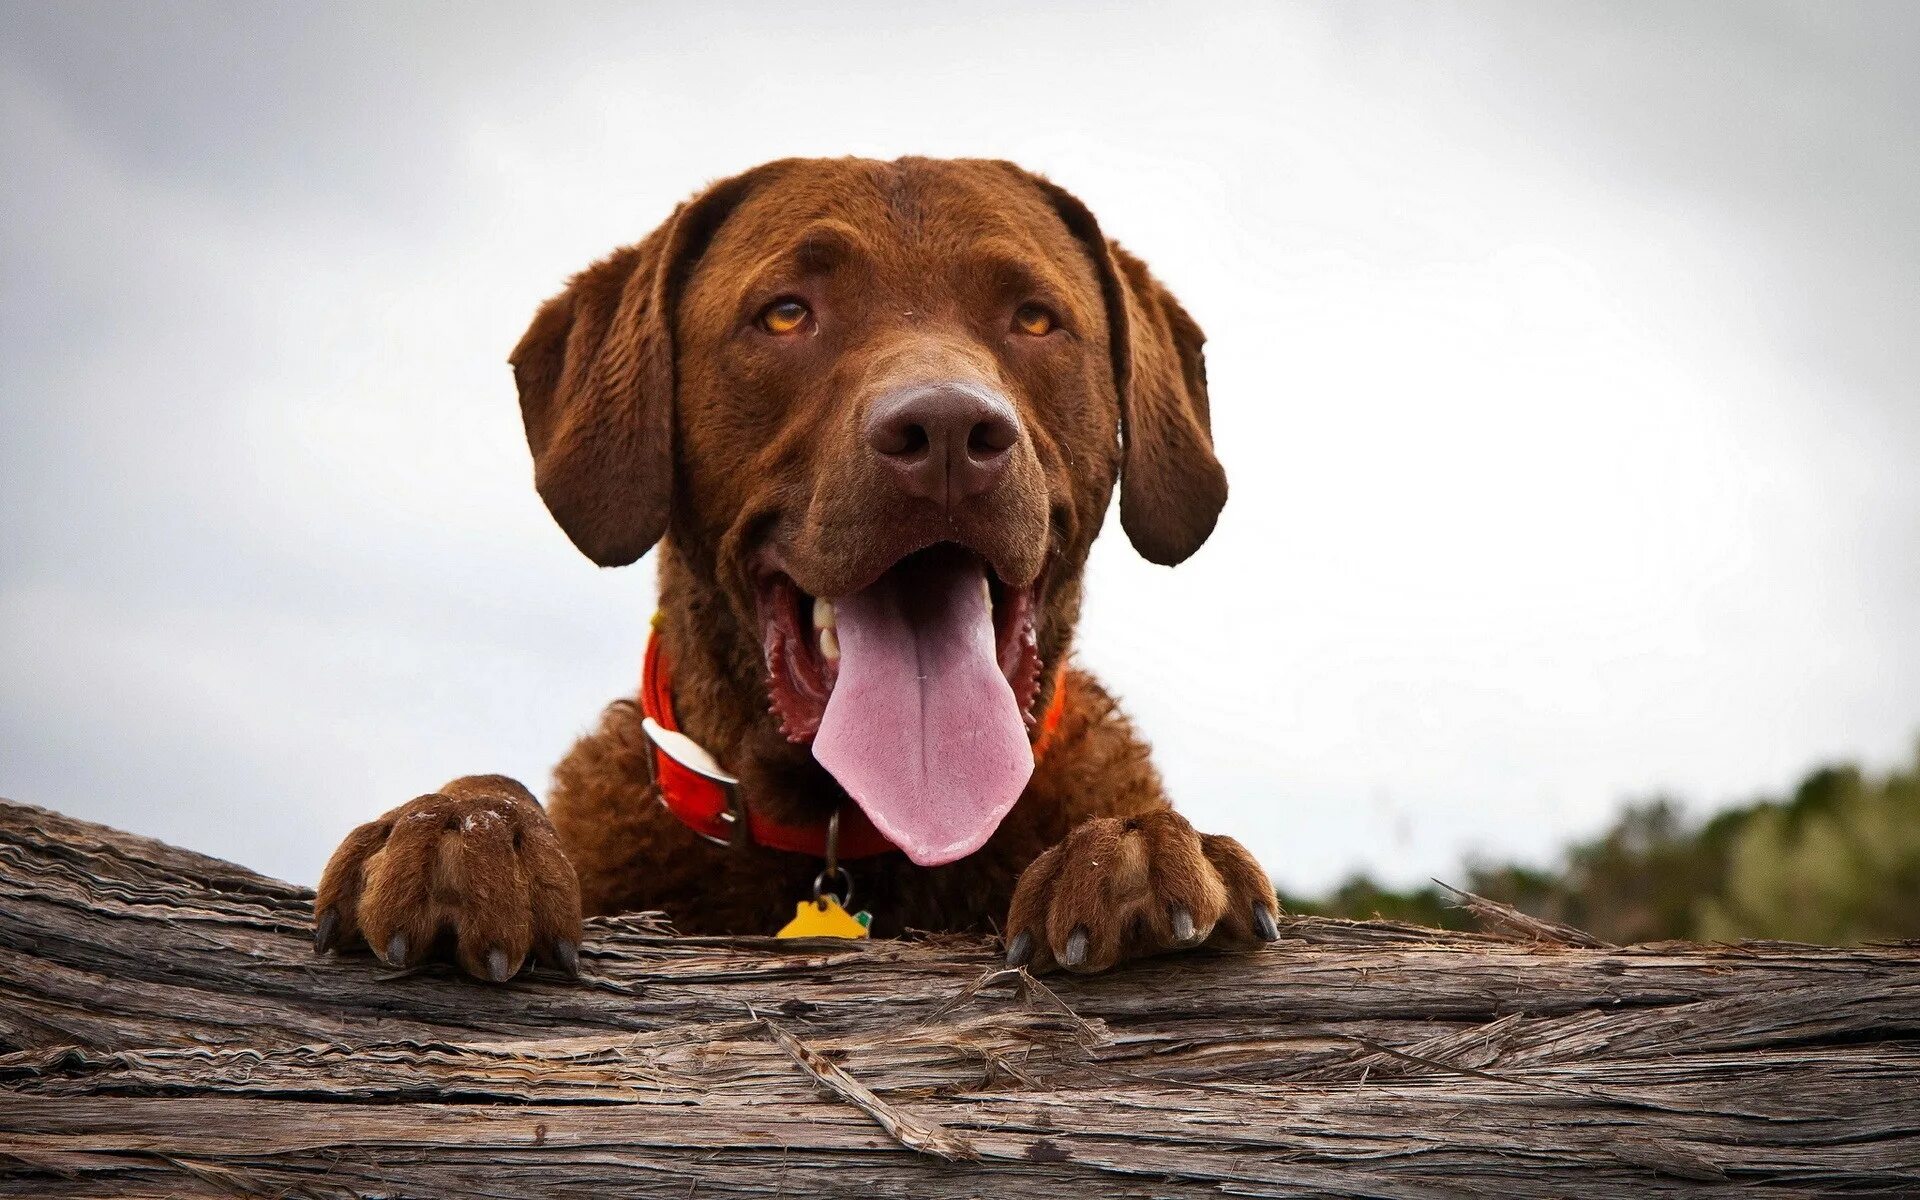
1563	362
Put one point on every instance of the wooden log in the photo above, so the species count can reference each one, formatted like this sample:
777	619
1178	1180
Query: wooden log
165	1030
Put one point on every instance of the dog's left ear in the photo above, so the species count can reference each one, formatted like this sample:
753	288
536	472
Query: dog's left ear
1171	486
596	377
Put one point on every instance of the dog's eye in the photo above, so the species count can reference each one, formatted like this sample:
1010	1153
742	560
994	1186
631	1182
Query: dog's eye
1034	319
785	315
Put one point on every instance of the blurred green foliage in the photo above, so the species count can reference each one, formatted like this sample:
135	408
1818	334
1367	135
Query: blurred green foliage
1837	862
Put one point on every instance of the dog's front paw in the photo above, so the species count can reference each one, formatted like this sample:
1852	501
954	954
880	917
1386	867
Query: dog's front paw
1120	888
472	872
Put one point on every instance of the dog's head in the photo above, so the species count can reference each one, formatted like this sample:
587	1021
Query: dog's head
881	409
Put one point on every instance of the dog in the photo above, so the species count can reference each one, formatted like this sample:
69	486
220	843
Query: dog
871	415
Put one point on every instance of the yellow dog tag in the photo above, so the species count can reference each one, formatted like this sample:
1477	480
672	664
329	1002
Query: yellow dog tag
825	918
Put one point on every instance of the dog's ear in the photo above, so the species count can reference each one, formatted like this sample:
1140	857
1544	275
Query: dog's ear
1171	486
596	377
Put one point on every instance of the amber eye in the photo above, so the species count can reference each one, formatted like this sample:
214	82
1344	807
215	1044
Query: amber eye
786	315
1033	319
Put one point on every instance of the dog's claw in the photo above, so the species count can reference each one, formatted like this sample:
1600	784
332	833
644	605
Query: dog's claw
498	969
1182	926
1076	949
397	950
567	956
1264	924
323	931
1020	949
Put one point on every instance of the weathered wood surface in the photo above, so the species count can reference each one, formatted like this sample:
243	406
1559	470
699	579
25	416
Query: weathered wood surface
165	1030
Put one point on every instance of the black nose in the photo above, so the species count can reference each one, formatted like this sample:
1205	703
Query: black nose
944	441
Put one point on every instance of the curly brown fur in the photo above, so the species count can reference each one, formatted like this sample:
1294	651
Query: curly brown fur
657	418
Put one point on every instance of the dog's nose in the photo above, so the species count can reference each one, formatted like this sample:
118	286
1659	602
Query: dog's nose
945	441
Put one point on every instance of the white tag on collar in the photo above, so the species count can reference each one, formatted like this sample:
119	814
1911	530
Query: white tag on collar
685	751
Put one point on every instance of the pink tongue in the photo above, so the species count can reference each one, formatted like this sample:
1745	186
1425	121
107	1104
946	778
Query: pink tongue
921	727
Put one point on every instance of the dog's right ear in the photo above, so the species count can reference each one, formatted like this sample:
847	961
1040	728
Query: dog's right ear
596	378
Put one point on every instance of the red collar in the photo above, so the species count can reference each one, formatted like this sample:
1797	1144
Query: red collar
708	800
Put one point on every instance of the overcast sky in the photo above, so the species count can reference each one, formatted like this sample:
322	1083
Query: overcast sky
1563	359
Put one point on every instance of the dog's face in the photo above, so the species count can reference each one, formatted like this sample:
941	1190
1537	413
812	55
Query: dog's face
881	407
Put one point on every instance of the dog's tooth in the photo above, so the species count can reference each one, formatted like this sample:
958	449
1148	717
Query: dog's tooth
829	644
822	613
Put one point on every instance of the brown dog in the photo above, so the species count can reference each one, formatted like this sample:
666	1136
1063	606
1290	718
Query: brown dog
872	414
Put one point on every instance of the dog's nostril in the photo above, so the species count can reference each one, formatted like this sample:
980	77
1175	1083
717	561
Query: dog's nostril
900	439
992	436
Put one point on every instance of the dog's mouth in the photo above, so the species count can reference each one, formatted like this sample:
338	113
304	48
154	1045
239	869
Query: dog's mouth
916	693
800	634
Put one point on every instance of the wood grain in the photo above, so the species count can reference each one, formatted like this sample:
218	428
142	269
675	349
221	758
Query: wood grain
165	1030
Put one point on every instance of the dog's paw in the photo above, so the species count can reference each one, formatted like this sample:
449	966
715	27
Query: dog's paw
472	873
1120	888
